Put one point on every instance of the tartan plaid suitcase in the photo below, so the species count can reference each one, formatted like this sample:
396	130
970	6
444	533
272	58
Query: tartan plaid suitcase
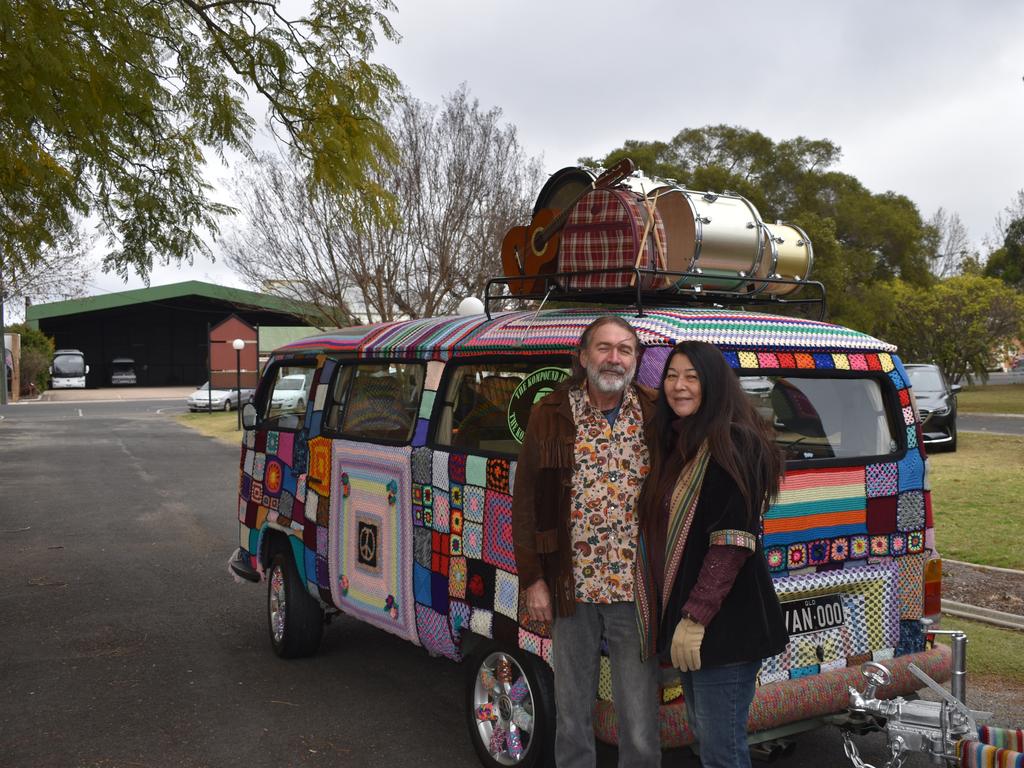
604	230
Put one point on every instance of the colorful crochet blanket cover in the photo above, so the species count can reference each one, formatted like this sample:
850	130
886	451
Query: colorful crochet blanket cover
417	541
994	748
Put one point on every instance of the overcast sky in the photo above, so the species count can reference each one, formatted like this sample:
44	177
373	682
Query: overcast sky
925	98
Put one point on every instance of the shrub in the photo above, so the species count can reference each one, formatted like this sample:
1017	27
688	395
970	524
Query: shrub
36	355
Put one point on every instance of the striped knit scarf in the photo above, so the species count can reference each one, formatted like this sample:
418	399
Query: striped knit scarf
681	508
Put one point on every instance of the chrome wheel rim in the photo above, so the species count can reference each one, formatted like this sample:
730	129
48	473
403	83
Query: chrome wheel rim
503	708
278	604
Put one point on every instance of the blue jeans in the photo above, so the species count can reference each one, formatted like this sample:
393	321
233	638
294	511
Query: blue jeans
717	705
576	657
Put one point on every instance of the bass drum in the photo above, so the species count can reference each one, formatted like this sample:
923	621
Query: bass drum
719	236
791	257
562	187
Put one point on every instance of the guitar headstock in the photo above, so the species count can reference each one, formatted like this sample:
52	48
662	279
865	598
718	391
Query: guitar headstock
615	174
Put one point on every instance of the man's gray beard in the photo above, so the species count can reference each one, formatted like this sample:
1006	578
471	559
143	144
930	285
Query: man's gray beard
610	385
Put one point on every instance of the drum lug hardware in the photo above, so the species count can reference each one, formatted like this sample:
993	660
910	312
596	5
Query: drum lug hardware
751	225
710	196
780	240
704	219
799	243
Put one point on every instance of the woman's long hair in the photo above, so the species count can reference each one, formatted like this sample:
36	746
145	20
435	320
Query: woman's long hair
739	439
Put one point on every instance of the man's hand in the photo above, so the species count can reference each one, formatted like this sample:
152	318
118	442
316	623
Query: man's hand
686	642
538	601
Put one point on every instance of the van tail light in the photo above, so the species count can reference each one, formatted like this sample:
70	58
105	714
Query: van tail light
933	587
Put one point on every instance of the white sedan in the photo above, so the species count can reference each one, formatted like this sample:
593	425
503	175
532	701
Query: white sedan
203	399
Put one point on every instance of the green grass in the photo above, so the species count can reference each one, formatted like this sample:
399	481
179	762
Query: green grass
990	650
999	398
977	500
218	425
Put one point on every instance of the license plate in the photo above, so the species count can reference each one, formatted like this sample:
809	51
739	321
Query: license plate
813	614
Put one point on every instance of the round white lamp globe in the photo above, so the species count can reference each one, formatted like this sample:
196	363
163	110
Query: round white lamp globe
471	305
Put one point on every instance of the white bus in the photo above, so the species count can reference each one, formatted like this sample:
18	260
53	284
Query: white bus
68	369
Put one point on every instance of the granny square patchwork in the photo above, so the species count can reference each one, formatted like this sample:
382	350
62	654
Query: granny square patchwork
473	540
458	616
912	441
882	479
434	633
457	577
911	586
498	549
882	515
441	470
422	466
506	594
457	467
498	475
421	546
473	503
476	470
859	547
910	511
911	471
441	512
480	622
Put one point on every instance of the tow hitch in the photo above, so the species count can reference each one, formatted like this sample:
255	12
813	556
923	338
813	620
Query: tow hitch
931	727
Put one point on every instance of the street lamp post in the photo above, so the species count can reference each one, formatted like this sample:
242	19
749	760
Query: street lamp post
239	345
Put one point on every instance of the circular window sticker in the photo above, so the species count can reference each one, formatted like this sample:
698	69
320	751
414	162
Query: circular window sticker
530	390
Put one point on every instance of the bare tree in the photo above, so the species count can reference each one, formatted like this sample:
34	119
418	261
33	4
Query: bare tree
60	272
948	244
460	180
1012	212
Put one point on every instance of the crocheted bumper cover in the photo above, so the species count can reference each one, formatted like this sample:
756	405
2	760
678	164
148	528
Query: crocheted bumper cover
791	701
995	748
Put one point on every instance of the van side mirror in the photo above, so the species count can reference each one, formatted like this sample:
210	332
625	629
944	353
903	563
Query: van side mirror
248	415
956	388
87	369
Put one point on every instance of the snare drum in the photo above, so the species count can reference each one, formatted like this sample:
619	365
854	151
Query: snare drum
788	254
719	236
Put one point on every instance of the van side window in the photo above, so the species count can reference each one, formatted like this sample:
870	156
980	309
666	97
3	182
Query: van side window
486	407
824	418
285	408
336	401
383	401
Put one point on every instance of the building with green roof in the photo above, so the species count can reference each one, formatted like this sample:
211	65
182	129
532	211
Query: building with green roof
164	329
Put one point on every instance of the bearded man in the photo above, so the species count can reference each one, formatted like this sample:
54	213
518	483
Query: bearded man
574	526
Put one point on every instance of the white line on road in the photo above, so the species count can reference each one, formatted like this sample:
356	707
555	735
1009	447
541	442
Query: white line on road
79	412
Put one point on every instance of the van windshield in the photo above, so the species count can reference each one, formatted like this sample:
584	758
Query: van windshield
68	365
823	418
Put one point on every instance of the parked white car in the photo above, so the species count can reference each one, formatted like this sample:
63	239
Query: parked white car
289	394
218	400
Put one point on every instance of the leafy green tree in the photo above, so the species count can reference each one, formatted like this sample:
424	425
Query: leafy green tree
859	237
36	355
108	108
1007	263
958	324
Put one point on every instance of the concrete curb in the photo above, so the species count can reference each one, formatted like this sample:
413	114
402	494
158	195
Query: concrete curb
984	567
986	615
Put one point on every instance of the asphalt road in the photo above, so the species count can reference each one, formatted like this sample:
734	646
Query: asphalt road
996	425
126	643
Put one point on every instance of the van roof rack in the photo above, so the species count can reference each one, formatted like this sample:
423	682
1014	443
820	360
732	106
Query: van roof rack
565	287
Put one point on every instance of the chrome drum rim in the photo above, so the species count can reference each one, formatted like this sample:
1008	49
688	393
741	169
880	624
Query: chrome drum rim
503	708
278	604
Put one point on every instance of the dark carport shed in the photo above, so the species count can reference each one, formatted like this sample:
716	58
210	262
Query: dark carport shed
163	328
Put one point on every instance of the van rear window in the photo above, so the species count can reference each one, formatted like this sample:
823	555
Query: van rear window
824	418
486	407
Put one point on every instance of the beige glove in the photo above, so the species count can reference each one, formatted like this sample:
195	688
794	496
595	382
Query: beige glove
686	642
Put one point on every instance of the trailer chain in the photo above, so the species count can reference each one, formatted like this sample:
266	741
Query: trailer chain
895	761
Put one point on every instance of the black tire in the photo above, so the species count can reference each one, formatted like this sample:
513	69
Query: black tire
509	705
295	619
227	405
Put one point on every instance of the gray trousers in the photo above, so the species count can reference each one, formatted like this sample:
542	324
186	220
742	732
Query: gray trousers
576	657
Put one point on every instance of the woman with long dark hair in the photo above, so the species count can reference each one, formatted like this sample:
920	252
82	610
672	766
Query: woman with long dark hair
705	598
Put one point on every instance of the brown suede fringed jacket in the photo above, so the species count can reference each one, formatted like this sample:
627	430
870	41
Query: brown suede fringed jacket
541	530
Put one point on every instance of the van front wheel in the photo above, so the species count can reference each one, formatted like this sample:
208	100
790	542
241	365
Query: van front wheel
295	618
510	708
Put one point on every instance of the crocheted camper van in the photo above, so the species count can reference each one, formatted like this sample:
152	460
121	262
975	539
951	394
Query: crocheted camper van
387	496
